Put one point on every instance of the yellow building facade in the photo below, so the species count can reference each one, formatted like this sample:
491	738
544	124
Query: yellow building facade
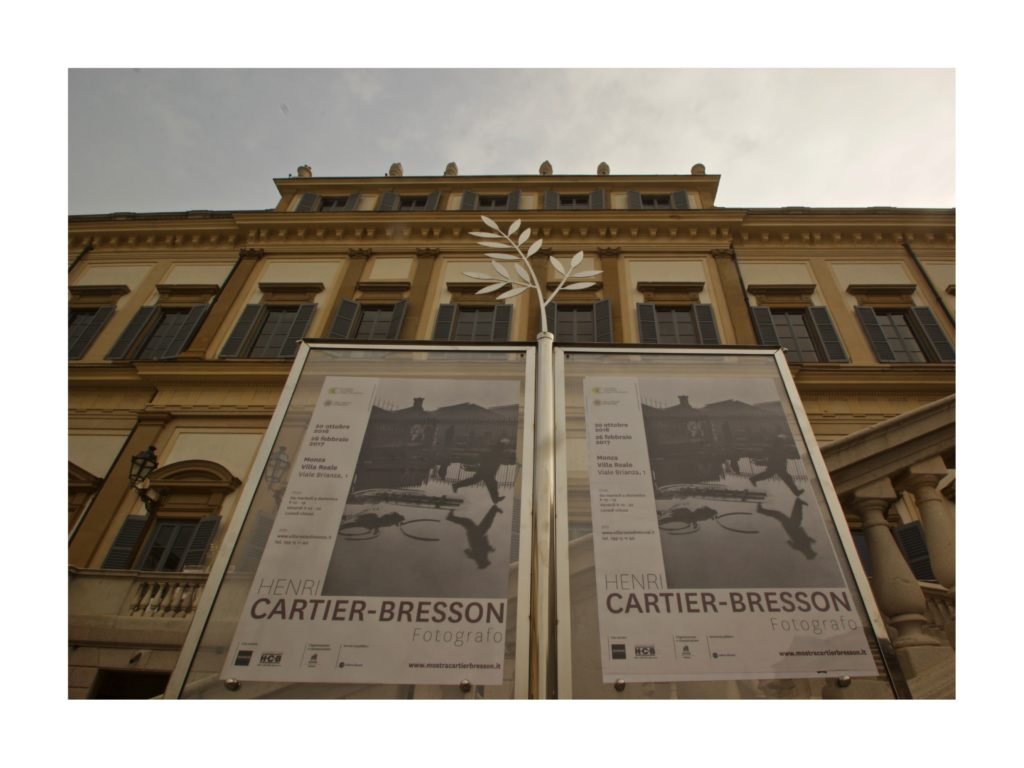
183	327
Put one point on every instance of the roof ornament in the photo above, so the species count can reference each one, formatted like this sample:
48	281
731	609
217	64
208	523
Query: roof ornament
603	169
305	172
505	248
395	169
545	168
451	170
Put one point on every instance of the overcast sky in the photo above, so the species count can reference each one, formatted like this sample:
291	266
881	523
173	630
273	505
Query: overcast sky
180	139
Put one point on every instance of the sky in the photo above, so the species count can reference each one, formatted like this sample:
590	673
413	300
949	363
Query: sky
148	140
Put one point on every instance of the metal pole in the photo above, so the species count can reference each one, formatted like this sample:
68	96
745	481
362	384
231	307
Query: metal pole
541	661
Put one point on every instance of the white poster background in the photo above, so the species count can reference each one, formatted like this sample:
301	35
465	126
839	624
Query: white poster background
651	632
290	632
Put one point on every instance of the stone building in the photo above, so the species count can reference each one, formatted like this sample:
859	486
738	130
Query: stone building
183	326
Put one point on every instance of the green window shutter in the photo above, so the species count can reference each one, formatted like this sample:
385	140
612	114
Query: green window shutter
185	333
122	551
597	200
647	321
831	344
302	318
936	341
233	347
123	346
603	321
398	315
910	537
445	322
869	322
308	203
469	200
432	200
513	200
195	553
81	343
352	202
762	317
551	314
633	200
706	328
550	201
389	201
344	320
680	200
502	322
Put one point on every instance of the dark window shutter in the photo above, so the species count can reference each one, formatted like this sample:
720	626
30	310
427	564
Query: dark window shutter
185	333
910	537
550	200
680	200
762	317
233	346
831	344
123	346
860	542
432	200
929	328
647	320
78	346
201	539
597	199
706	328
502	322
308	203
551	314
122	551
634	201
398	315
344	320
388	202
869	322
445	321
469	200
352	202
302	318
513	200
603	321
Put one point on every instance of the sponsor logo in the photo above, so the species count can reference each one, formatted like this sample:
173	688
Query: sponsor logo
270	659
644	652
243	658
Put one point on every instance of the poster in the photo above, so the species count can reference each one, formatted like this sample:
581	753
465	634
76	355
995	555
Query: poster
712	555
388	560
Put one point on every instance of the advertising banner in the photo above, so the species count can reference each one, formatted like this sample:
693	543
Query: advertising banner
712	553
388	560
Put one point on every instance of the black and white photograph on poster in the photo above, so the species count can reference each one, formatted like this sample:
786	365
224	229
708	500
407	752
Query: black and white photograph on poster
432	507
736	505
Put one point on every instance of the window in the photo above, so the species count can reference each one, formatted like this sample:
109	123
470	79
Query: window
393	201
412	203
269	331
691	325
158	333
368	322
581	322
910	335
458	322
806	333
168	545
84	325
335	203
573	201
644	201
471	201
312	203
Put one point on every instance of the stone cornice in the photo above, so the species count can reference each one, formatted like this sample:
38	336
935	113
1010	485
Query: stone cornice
938	379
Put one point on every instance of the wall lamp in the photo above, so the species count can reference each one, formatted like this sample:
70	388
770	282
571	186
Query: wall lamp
275	472
143	464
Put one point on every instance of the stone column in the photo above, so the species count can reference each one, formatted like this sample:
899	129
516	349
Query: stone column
896	590
610	259
735	299
939	531
358	258
426	261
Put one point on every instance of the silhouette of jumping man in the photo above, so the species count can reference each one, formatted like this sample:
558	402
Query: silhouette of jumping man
476	535
487	469
778	454
798	538
372	522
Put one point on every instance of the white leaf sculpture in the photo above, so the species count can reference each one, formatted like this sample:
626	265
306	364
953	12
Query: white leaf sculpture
490	223
557	265
502	256
478	275
588	273
484	234
514	227
577	286
522	272
501	271
534	248
514	292
577	259
491	288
